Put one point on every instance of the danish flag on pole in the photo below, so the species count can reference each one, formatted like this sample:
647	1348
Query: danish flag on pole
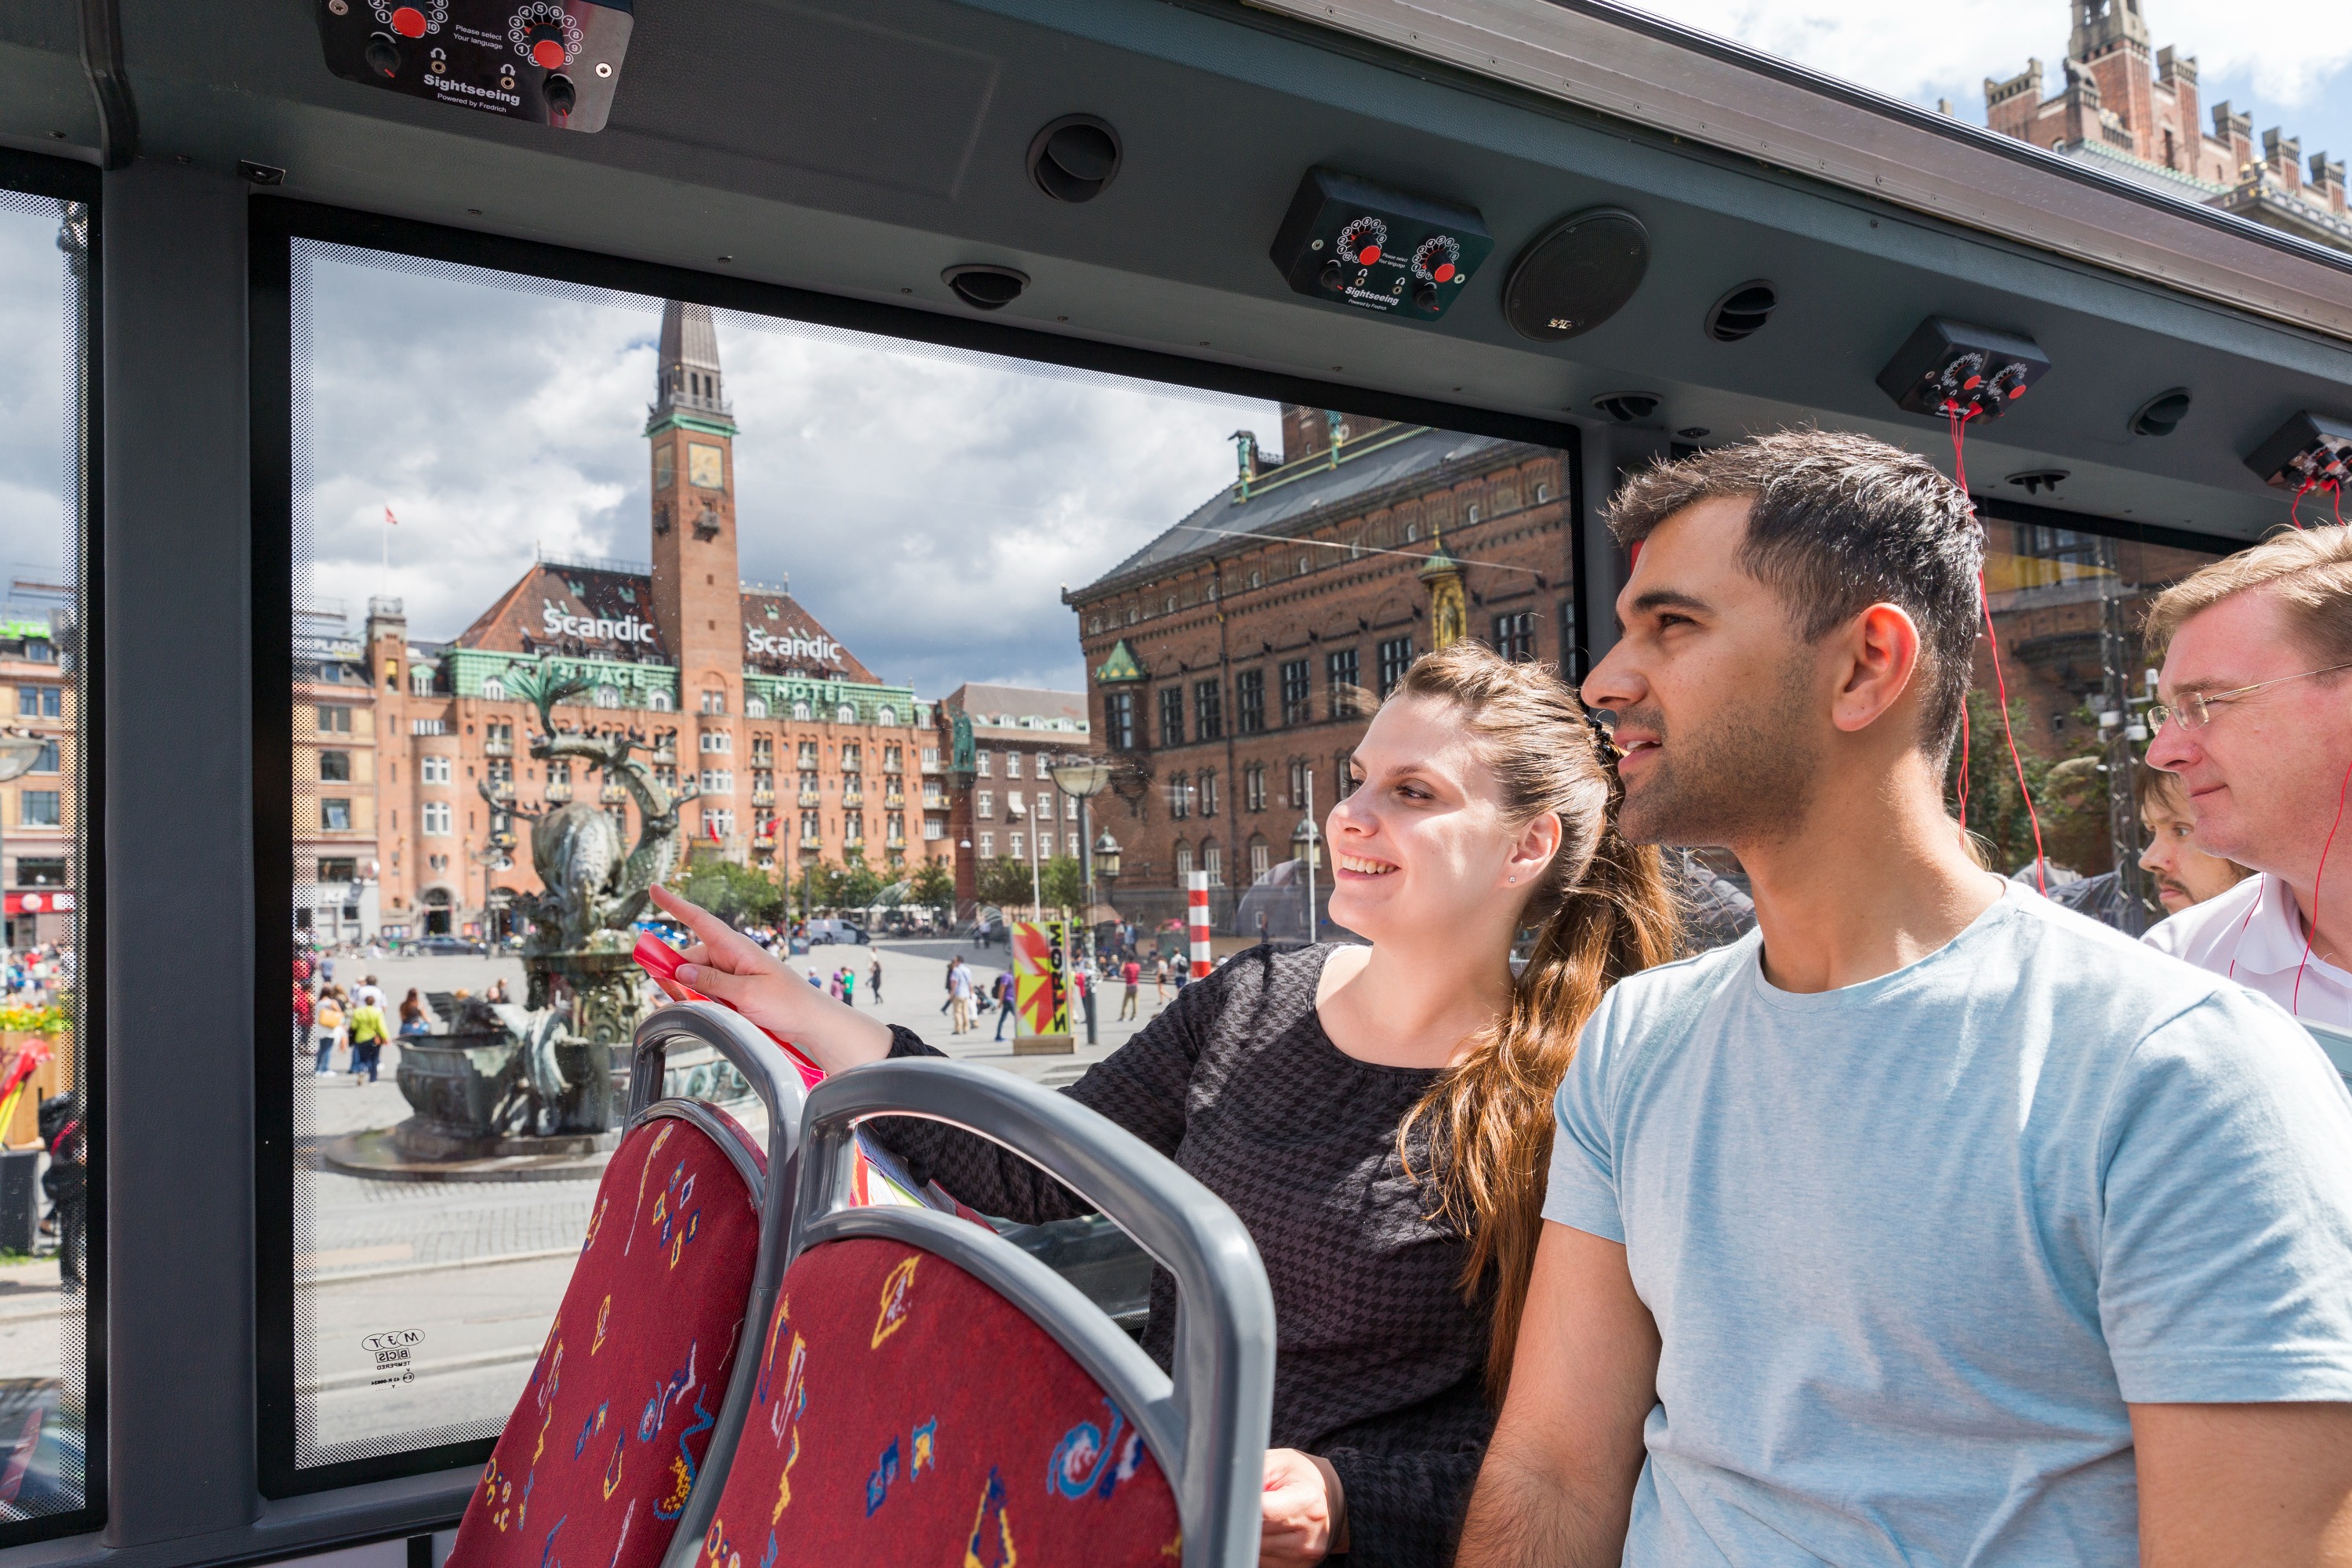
711	828
388	517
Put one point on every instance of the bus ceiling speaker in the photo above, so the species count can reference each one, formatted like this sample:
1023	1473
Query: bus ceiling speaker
985	286
1948	367
1354	242
2161	414
1074	158
1576	274
549	62
1742	311
2308	449
1628	407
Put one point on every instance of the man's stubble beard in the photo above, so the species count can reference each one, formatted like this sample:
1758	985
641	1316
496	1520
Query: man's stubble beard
1742	774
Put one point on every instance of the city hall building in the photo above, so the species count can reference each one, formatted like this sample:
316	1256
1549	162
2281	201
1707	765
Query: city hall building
800	753
1228	658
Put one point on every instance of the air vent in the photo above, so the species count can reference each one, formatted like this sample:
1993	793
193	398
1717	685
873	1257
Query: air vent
2036	480
985	286
1076	158
1742	312
1626	407
2161	414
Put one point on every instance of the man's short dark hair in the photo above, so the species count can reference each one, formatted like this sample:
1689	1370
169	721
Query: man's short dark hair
1838	522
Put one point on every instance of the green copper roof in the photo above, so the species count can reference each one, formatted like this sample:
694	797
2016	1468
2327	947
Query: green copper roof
1122	664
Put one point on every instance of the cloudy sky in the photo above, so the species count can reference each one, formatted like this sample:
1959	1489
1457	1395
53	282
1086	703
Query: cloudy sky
2287	62
927	506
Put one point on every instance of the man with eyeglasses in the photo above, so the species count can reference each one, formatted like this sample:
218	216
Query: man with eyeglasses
2256	722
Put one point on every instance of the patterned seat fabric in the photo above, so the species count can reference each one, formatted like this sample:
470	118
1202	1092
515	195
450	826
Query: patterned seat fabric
905	1413
597	1458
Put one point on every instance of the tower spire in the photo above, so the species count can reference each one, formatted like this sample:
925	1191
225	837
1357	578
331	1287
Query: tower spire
689	380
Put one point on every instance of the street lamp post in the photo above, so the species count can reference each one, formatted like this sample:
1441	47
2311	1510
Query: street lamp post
1082	778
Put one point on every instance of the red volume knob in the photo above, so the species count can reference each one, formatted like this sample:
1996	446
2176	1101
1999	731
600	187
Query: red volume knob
546	52
1369	254
408	22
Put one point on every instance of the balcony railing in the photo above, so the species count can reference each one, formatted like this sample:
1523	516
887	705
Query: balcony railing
811	841
894	798
849	764
891	765
558	791
810	797
665	753
763	797
502	789
498	748
763	841
612	793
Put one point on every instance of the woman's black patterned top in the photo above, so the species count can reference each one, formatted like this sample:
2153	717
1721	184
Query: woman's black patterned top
1379	1358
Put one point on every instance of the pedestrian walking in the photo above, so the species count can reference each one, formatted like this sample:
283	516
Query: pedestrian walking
328	1021
1159	982
949	985
1130	974
849	986
368	1033
874	983
1002	990
959	997
412	1013
371	994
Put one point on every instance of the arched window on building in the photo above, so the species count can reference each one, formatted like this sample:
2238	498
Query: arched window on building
494	689
608	696
420	679
1260	857
755	707
714	700
800	711
845	714
887	716
1180	796
1183	861
661	702
1213	861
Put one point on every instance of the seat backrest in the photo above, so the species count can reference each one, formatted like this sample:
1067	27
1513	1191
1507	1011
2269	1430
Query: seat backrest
925	1389
627	1405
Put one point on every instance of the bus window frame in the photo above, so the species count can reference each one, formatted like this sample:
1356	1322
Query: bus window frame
65	180
275	224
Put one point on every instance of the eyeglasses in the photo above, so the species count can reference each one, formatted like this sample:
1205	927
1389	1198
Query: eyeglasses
2196	707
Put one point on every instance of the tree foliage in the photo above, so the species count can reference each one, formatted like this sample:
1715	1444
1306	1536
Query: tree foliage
739	895
2068	791
1066	882
1005	882
932	885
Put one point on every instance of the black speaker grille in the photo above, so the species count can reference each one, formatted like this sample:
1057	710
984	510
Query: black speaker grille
1576	274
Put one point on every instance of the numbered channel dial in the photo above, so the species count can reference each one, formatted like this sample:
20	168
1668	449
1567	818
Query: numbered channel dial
1439	259
545	34
1362	241
411	18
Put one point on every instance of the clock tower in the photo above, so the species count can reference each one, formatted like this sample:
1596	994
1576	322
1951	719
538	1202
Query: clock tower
697	592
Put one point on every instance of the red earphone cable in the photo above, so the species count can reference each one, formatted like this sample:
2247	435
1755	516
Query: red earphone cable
2001	679
2311	922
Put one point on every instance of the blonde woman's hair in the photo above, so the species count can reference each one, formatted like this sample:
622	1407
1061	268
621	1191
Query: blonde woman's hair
1600	910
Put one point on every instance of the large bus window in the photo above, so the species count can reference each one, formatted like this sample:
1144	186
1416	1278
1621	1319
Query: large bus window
2067	604
589	588
47	1257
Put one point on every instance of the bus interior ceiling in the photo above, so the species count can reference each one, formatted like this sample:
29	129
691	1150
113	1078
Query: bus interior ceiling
853	153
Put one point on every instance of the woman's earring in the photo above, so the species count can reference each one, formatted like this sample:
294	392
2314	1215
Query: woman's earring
1513	878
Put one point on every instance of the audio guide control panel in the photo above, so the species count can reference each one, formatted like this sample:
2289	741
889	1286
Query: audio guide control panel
552	62
1352	242
1949	369
2307	452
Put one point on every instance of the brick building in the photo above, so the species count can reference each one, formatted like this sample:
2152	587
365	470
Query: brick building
337	896
1005	806
2138	116
37	808
800	751
1223	657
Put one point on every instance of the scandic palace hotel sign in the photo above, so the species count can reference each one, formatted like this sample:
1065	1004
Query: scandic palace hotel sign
556	621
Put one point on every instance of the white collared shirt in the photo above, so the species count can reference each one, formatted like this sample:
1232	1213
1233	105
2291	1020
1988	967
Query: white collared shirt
2254	934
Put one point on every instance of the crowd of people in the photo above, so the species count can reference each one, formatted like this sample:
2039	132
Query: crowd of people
1883	1211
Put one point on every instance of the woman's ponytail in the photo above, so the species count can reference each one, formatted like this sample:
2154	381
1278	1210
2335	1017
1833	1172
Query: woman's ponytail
1603	910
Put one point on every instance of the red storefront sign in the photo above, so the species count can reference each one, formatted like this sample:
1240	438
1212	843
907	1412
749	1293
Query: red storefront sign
60	902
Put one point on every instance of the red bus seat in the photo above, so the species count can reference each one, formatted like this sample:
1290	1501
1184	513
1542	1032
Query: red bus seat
598	1463
928	1392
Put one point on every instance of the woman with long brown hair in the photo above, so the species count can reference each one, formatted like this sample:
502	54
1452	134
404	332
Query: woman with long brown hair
1379	1116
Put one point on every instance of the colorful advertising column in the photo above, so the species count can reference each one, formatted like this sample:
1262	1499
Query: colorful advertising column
1041	998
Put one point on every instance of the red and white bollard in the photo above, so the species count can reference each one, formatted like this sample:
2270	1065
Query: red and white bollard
1196	918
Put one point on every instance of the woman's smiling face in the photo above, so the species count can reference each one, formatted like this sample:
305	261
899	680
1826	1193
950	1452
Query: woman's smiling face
1422	847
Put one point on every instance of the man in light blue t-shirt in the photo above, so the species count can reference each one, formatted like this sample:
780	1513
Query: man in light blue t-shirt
1927	1223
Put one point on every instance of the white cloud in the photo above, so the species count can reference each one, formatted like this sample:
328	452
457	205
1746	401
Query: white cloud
33	524
928	508
2290	55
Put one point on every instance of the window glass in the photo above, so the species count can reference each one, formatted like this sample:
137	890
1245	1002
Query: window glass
2066	607
565	567
47	1253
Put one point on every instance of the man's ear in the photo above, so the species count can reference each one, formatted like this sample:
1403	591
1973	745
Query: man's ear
1878	653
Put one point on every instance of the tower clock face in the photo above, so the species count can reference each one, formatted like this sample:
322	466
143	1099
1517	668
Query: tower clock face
705	466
